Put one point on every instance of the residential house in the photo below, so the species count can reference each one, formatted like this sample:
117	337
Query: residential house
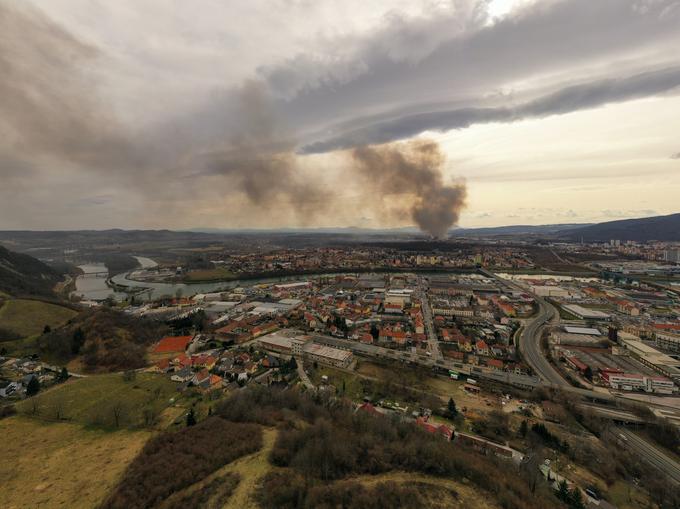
8	388
481	348
183	375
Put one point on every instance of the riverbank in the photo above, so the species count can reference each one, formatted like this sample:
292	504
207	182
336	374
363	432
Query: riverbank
247	276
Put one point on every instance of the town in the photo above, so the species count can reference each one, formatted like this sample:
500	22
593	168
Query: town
340	255
454	353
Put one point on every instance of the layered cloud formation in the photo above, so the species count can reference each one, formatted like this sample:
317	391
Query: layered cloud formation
300	115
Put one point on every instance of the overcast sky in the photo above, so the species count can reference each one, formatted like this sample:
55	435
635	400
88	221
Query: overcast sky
175	114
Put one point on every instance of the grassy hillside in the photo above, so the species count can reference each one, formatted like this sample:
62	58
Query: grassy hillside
25	318
109	401
22	275
61	465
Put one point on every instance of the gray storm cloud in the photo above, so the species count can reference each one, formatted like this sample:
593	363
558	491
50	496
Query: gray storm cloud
565	100
259	159
410	175
248	140
47	108
50	111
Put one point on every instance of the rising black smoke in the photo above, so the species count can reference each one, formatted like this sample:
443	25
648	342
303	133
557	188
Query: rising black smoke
410	175
259	159
52	118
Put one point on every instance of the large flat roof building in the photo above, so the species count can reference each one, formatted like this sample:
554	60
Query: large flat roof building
650	356
328	355
586	313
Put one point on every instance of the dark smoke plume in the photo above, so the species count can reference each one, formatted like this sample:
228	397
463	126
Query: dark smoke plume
51	115
409	175
260	160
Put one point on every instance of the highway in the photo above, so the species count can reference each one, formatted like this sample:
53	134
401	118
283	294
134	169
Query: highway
530	338
649	453
530	350
530	345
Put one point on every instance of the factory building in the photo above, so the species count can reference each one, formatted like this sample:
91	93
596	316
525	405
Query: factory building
668	341
585	313
303	346
651	357
327	355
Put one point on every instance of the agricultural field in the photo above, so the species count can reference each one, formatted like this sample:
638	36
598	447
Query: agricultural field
61	464
109	401
28	317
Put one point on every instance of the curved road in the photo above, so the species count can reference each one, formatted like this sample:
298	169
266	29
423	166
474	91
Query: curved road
530	349
530	345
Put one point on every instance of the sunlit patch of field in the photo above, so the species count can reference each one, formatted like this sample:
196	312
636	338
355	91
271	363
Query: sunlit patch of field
108	401
29	317
251	469
61	464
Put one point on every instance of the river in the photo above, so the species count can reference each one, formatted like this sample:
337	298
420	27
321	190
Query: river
156	290
91	285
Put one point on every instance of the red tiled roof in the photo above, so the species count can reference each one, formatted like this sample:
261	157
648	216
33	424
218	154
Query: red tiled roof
667	326
370	409
172	344
163	364
202	375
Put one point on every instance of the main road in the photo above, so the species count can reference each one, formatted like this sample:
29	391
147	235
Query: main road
432	339
530	349
530	344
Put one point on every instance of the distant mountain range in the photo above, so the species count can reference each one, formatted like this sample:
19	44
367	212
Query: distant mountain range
526	229
663	228
21	275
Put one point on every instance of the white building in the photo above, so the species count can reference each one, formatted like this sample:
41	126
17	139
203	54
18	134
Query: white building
585	313
327	355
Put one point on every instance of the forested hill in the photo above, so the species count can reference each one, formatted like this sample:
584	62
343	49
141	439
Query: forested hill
664	228
23	275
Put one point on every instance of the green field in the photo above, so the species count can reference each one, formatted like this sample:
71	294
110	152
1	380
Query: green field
339	379
29	317
107	401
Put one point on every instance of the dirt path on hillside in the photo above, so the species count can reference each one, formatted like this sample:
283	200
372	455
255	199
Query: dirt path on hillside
251	469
